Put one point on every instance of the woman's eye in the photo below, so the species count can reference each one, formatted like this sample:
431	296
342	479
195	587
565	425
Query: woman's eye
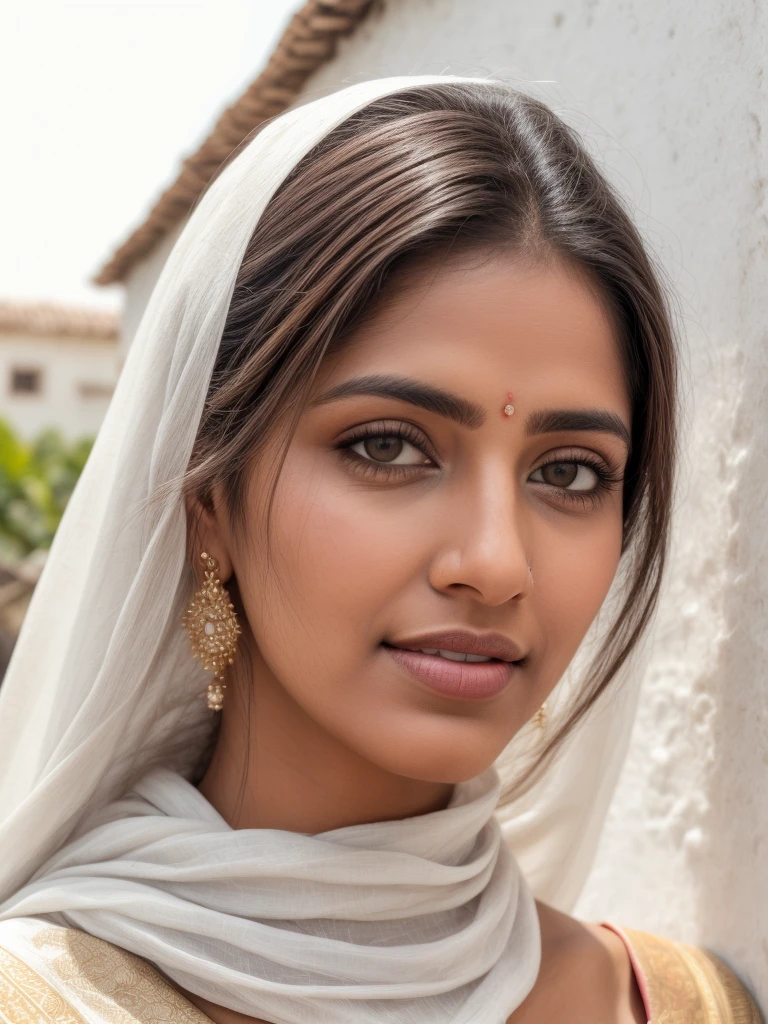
565	474
385	451
390	450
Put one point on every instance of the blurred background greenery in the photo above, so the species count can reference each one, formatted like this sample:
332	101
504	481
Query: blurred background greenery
37	478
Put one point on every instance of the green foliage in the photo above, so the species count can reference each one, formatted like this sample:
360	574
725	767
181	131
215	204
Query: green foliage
36	481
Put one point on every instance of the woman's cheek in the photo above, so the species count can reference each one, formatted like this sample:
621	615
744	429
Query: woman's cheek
329	559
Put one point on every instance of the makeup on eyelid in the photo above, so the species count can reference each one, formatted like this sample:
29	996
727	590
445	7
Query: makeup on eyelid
363	463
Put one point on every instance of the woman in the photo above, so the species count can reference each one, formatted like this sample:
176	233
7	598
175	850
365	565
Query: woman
400	411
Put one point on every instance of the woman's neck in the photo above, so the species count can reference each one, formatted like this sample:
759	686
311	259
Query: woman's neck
275	767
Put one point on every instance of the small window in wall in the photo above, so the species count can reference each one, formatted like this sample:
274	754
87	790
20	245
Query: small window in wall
26	381
94	389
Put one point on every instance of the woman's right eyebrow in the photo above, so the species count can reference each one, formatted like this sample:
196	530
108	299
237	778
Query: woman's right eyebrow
415	392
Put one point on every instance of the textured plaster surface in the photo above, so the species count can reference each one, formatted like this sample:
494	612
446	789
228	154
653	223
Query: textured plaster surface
672	99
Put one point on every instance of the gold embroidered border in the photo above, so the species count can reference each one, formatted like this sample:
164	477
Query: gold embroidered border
121	987
26	998
688	985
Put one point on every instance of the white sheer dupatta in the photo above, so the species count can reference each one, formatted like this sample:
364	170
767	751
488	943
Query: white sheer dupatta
425	919
101	680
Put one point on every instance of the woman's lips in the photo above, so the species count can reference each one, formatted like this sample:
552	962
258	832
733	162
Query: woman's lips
455	678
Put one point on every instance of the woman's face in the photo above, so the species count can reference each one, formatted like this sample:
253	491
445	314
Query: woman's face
410	503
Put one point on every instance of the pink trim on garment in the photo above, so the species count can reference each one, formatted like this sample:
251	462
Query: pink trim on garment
642	981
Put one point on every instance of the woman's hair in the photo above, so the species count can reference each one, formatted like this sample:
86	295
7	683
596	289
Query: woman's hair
426	174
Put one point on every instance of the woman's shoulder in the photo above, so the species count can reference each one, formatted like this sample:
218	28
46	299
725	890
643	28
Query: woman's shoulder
681	983
51	973
585	976
605	974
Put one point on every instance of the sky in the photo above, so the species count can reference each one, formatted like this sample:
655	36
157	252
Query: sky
100	103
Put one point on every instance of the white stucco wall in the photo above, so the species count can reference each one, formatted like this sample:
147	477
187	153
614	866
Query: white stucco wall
139	285
672	97
77	377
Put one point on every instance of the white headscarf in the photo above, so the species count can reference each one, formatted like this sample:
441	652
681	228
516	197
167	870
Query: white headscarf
432	911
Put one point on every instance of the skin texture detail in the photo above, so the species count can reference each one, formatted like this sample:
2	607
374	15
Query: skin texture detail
396	514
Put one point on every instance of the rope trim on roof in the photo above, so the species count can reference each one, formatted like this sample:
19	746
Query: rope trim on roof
308	42
52	319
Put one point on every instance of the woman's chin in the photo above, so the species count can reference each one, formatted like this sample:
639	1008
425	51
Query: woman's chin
435	758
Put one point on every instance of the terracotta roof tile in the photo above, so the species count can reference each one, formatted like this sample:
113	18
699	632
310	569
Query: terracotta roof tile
52	319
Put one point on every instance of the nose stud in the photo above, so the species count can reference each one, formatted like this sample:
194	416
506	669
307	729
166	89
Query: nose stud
509	408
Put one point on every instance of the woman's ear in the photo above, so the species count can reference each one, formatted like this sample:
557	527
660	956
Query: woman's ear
207	532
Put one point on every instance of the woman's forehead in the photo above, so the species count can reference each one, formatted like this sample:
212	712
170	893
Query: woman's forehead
517	324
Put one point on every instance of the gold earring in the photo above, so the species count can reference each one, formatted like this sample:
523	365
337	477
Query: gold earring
213	629
540	718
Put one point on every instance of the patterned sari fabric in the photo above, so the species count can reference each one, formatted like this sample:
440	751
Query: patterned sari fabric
55	975
683	984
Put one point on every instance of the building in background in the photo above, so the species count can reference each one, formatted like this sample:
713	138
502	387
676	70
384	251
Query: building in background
58	367
672	98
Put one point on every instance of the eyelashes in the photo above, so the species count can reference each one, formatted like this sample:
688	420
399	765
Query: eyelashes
608	478
383	431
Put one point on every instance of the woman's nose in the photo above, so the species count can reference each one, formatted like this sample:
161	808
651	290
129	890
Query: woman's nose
482	549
